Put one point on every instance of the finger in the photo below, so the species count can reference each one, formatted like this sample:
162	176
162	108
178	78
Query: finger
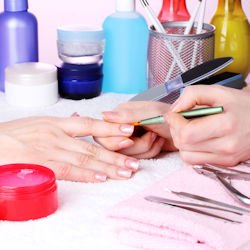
85	161
198	129
153	151
141	144
135	111
85	126
69	172
101	154
198	95
200	158
114	143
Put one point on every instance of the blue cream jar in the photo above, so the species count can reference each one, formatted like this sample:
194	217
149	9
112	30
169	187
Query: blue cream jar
80	81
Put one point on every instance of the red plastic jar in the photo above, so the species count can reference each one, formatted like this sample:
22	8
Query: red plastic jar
27	192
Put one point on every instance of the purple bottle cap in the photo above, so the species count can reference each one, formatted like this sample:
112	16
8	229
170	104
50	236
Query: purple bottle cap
15	5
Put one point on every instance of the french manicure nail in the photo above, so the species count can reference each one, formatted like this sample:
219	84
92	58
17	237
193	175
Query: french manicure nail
128	129
110	115
124	172
126	143
101	177
134	164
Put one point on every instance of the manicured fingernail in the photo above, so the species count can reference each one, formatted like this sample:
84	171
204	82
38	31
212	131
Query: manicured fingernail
75	114
124	172
110	115
126	143
101	177
175	106
128	129
153	136
134	164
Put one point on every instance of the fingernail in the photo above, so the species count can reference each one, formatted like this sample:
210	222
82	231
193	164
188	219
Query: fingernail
128	129
75	114
175	106
101	177
153	136
126	143
134	164
124	172
110	115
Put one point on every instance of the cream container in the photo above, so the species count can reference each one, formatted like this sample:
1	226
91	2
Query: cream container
31	84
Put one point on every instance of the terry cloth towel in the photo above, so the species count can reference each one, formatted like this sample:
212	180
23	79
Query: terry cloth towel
148	225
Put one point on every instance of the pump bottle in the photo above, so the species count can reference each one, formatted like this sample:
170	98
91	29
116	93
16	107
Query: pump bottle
18	36
125	54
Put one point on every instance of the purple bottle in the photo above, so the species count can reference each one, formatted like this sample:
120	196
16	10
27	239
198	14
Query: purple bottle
18	36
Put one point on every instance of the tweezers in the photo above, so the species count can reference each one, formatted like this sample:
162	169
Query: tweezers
222	174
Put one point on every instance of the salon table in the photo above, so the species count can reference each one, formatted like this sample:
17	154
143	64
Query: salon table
79	222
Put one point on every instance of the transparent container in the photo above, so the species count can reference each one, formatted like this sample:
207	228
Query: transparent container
192	49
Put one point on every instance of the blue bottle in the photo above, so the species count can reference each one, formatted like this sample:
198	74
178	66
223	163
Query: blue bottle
18	36
125	54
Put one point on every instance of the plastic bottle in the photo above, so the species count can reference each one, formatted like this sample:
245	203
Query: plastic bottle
232	35
174	10
19	36
125	54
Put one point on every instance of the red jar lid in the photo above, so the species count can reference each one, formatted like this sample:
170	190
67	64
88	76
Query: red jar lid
27	191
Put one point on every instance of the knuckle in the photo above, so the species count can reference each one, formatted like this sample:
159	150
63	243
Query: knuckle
230	148
64	171
92	149
83	159
88	123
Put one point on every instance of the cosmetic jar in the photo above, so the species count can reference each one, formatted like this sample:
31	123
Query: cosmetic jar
27	192
31	84
80	81
76	42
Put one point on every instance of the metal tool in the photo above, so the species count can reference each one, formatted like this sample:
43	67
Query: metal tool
221	176
189	77
205	199
187	206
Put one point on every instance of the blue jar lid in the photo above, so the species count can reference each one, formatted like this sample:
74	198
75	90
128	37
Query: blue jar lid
80	33
81	72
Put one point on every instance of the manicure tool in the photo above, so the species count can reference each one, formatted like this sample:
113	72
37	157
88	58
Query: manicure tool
187	114
159	28
186	32
204	199
189	77
187	206
221	176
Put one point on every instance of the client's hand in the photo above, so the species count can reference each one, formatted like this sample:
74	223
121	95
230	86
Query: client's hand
143	144
51	142
222	139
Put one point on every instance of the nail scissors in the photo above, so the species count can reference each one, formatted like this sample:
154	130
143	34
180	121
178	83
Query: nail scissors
224	175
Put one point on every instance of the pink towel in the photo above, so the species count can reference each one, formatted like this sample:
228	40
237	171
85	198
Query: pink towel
147	225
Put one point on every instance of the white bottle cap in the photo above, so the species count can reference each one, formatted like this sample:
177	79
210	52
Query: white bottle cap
31	84
125	5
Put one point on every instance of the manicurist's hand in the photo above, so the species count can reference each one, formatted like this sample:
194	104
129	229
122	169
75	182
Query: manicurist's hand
143	144
53	142
222	139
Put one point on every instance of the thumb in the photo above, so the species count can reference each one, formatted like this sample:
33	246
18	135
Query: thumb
198	95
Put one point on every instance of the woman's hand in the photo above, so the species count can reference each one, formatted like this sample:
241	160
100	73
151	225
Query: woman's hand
52	142
222	139
149	141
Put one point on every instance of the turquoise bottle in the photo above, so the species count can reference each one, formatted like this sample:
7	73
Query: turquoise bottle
125	54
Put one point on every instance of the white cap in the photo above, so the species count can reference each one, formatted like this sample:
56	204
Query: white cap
31	84
125	5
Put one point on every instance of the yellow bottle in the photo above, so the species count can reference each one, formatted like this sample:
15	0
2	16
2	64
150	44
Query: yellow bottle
232	35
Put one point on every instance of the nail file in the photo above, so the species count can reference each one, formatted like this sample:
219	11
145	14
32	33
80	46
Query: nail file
189	77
